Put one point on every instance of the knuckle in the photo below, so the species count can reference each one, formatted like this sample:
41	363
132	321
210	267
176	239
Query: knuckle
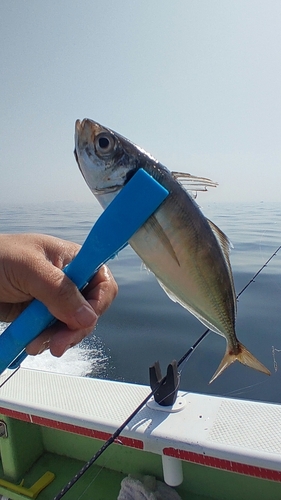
65	289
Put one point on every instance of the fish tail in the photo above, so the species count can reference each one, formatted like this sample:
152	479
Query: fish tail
243	356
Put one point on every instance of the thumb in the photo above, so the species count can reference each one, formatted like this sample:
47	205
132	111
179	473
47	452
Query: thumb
62	297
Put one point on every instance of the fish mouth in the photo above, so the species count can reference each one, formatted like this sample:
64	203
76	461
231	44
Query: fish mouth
76	138
79	129
84	133
81	125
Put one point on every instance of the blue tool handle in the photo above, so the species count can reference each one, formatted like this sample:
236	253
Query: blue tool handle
135	203
18	360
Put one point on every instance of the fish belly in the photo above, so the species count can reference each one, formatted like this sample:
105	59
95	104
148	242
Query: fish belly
185	263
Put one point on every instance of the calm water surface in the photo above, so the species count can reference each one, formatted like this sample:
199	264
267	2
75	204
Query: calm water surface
143	325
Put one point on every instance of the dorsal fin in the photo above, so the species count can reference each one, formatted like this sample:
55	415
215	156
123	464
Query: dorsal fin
224	244
192	183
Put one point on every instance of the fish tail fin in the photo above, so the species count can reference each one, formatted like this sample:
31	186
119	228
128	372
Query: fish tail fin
243	356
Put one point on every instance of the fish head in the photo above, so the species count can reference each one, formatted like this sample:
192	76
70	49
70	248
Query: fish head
106	159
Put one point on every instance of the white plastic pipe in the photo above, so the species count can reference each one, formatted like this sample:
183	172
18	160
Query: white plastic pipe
172	470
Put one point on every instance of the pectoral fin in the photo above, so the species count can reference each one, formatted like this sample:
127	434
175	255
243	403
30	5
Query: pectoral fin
153	225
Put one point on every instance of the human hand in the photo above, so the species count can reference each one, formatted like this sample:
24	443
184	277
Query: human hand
31	267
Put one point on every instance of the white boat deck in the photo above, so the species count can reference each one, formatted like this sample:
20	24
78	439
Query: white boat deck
236	435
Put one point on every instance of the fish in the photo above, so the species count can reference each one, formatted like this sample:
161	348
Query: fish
187	253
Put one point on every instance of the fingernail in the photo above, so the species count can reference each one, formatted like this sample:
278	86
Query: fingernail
86	316
45	346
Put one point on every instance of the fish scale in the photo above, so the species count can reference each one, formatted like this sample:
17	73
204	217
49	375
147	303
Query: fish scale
188	254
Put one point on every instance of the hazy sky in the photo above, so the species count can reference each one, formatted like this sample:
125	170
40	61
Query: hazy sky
197	83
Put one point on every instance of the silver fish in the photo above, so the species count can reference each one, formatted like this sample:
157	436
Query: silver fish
188	254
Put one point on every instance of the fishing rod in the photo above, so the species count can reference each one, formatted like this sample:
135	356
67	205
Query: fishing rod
156	388
258	272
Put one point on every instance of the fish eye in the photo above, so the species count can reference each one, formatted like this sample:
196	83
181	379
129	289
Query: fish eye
104	144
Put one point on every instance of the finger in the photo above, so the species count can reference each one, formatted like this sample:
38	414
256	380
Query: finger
40	344
101	291
38	274
51	286
9	312
58	338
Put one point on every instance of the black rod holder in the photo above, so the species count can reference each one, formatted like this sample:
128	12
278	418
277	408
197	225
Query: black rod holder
166	394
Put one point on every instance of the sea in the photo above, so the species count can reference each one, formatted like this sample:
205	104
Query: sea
143	325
